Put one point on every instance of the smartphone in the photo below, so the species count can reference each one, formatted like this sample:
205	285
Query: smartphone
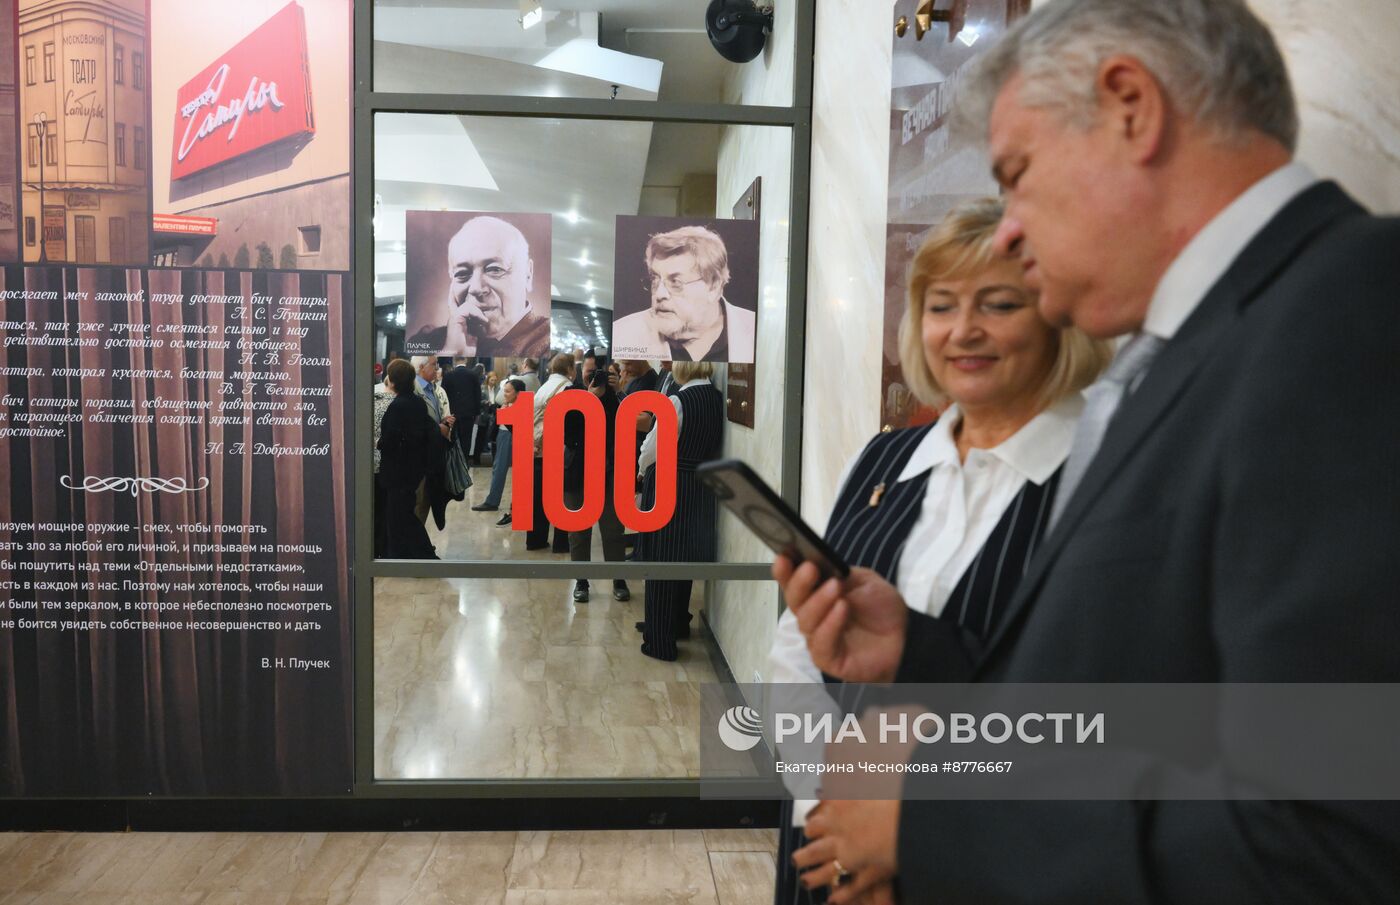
757	505
599	377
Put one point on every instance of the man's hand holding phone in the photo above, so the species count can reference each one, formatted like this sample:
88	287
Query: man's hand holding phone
855	628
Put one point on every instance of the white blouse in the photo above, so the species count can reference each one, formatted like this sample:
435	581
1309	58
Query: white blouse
962	504
647	457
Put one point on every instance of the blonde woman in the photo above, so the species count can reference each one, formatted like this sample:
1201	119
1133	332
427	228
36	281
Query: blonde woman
951	512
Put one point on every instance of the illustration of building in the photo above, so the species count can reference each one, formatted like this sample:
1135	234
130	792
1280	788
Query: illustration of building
9	201
85	131
267	186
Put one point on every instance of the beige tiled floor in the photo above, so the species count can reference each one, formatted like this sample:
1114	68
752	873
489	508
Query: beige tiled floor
730	867
491	679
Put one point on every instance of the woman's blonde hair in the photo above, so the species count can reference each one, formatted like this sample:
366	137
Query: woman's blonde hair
958	247
686	371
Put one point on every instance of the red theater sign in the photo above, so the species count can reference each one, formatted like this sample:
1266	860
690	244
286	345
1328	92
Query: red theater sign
255	95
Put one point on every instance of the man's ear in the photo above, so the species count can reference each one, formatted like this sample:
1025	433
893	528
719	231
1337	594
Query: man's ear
1133	106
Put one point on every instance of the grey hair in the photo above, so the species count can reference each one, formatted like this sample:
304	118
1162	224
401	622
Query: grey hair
1216	61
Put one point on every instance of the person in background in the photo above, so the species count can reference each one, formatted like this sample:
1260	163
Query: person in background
690	534
462	385
408	444
383	395
561	377
529	374
637	375
924	505
500	462
490	390
518	370
432	495
604	386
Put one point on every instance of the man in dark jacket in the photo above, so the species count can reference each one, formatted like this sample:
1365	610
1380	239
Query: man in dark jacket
1199	534
463	388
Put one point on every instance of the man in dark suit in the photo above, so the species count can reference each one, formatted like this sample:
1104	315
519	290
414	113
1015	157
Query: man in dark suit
463	388
1203	534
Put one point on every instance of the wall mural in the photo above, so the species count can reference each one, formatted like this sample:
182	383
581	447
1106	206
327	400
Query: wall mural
931	169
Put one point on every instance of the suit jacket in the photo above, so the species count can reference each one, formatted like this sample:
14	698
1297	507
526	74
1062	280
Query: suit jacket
463	390
436	490
444	406
635	337
1232	528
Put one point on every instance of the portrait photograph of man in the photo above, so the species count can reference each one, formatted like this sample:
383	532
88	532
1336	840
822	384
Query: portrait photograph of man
687	290
477	284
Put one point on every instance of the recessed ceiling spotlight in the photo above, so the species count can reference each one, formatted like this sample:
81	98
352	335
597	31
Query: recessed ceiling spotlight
531	13
573	217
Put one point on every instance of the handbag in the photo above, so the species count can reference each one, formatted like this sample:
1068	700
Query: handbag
458	477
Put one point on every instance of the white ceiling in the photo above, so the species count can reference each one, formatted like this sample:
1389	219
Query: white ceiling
585	172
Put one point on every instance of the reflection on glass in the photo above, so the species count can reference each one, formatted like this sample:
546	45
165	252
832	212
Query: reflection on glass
560	187
479	679
632	50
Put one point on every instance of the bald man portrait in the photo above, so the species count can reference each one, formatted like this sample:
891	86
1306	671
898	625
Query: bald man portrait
487	310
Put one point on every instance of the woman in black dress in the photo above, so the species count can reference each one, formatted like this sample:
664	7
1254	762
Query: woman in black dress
690	534
407	437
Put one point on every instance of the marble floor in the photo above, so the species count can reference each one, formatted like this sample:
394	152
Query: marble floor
492	679
475	535
710	867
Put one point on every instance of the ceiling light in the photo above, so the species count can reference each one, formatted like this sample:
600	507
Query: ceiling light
531	13
588	286
592	302
573	217
969	35
583	260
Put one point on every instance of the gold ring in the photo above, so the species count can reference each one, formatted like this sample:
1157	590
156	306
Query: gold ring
842	875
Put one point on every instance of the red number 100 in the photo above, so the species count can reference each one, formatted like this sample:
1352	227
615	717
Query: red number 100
520	418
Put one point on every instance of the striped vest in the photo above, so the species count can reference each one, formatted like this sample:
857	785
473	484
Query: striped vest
871	524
